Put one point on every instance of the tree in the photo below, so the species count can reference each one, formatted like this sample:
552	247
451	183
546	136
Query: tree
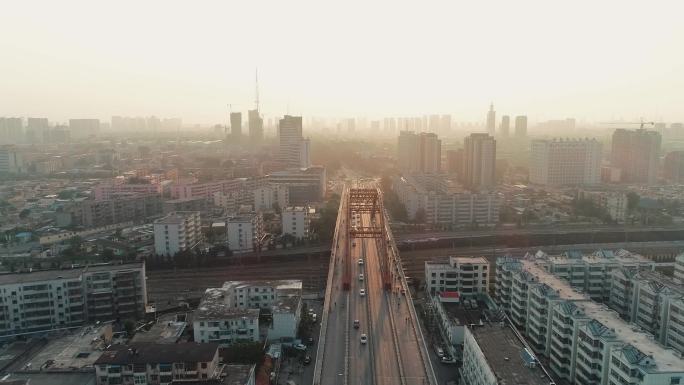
244	353
24	213
632	200
108	254
129	326
420	216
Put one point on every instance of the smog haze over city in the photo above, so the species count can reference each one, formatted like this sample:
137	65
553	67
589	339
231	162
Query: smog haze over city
341	193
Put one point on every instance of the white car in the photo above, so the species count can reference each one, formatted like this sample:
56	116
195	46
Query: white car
361	277
360	261
362	292
364	339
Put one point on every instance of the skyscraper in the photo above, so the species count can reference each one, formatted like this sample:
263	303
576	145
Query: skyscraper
294	149
521	126
504	130
479	161
566	162
636	154
491	120
236	125
419	153
256	126
84	128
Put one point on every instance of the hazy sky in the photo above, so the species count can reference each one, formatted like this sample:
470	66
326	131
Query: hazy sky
550	59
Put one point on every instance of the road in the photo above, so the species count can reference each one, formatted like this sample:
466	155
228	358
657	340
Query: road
393	353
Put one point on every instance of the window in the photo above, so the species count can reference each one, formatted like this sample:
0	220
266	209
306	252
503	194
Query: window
204	365
675	380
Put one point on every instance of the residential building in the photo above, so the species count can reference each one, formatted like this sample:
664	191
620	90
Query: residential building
293	149
304	185
494	354
679	269
244	232
236	125
419	153
40	301
11	160
614	202
442	202
118	208
240	186
674	167
266	197
479	161
521	127
505	128
256	126
188	204
566	162
177	231
84	128
158	364
296	221
636	153
11	130
585	342
36	130
454	162
463	275
105	191
491	120
230	313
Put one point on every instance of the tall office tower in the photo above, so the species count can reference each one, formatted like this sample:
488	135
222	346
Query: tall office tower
256	126
419	153
36	129
294	149
236	125
636	154
479	161
491	120
566	162
83	128
521	126
430	153
505	128
434	124
674	166
11	130
445	124
454	161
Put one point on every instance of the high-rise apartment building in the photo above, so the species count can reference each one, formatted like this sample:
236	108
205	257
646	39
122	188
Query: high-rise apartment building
491	120
454	161
11	160
11	130
479	161
36	129
256	126
296	221
674	166
294	149
236	125
636	153
521	126
566	162
84	128
176	232
505	128
419	153
244	232
466	276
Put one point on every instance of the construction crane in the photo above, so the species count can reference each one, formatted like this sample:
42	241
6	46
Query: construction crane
641	123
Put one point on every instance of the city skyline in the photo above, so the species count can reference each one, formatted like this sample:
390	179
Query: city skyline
441	58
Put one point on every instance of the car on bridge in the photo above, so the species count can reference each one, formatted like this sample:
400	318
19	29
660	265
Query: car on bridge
361	277
364	338
360	261
362	292
357	323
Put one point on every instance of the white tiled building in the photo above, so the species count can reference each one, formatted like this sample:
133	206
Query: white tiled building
465	275
266	197
178	231
244	232
565	162
230	313
586	342
296	221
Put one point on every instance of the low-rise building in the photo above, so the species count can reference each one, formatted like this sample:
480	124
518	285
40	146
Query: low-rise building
118	208
158	364
40	301
230	313
614	202
305	185
266	197
244	232
189	204
296	221
463	275
177	231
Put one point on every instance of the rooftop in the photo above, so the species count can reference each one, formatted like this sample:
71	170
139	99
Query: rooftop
158	353
47	275
557	284
278	284
504	353
175	217
166	331
215	305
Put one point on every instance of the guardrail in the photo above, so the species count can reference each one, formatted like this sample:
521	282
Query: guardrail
424	356
320	350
